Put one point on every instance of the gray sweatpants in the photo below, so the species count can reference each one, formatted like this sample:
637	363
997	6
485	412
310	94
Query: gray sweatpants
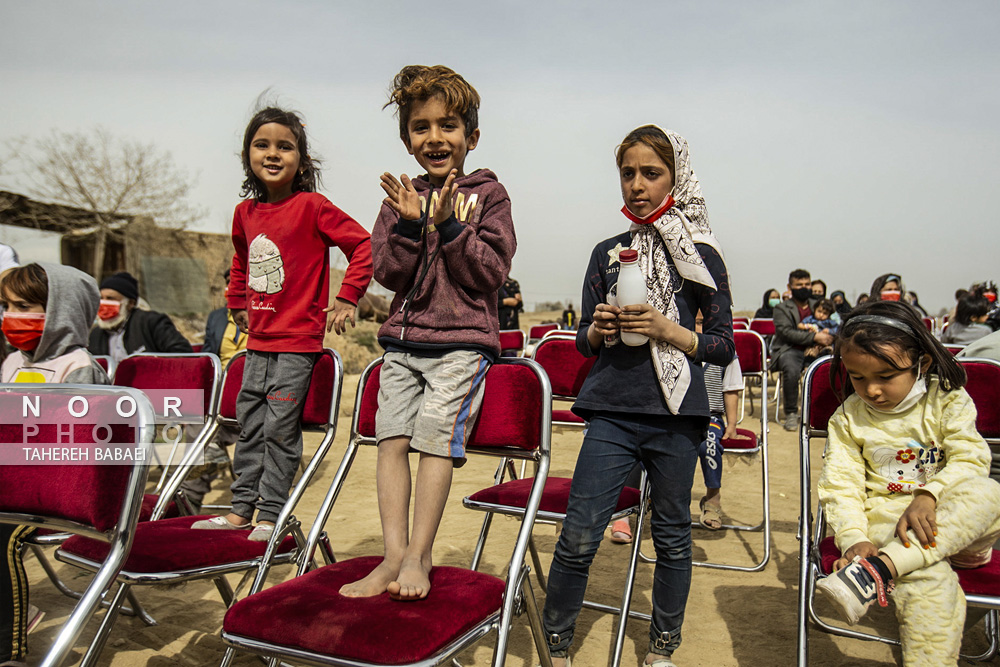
270	446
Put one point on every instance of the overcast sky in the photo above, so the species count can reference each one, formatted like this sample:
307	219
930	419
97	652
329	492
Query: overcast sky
848	138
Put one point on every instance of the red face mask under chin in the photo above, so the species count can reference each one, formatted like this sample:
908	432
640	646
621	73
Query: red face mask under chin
23	330
109	309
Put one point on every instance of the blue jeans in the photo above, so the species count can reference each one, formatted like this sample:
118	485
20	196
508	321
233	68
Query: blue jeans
667	446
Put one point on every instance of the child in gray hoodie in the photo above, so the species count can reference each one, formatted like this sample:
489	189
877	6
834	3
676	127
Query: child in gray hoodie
48	312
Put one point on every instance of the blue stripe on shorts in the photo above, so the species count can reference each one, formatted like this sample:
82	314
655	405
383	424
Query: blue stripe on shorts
458	433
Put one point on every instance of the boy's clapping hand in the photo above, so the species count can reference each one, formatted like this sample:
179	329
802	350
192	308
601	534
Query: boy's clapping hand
444	203
339	313
403	197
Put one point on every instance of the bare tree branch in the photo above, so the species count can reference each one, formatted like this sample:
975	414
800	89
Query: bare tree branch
110	177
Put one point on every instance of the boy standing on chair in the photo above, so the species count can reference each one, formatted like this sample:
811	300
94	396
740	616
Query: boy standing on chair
443	242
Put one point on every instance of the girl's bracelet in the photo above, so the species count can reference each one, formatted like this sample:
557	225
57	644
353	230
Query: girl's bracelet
693	347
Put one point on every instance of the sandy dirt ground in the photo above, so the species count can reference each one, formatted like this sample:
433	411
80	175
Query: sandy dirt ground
733	618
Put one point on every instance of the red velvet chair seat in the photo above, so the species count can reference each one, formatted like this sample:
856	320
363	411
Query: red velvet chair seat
566	416
169	545
554	499
308	613
746	440
149	502
979	581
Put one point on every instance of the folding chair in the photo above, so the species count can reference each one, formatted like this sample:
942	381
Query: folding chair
151	372
536	332
566	369
156	373
817	553
742	320
744	326
93	499
929	323
512	342
305	619
954	348
752	353
168	551
765	327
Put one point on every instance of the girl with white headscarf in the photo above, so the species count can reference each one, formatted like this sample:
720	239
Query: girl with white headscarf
645	403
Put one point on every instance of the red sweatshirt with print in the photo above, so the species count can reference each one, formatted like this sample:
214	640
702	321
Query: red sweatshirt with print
280	273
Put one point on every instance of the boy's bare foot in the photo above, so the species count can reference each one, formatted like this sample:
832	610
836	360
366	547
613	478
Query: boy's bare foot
412	582
375	583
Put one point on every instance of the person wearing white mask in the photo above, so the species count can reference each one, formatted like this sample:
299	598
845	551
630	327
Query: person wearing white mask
905	483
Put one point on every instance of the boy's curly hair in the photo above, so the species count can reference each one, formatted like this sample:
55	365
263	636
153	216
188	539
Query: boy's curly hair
416	83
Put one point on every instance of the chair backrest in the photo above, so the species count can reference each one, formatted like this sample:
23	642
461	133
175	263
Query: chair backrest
89	494
104	361
741	326
819	400
512	340
232	381
742	320
762	325
514	387
175	372
560	333
539	330
751	350
197	347
954	348
929	323
983	386
319	410
566	367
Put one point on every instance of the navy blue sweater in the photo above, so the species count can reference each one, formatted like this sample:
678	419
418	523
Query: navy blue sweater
624	379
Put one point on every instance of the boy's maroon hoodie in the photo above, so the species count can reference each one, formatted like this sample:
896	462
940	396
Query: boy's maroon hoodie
280	272
446	280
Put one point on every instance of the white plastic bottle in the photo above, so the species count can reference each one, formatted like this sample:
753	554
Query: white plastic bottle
631	290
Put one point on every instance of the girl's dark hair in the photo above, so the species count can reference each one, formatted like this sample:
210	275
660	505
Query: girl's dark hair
307	177
28	283
907	337
875	293
767	297
653	137
969	306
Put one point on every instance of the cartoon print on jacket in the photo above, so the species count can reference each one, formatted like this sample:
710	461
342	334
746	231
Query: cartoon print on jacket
909	467
266	268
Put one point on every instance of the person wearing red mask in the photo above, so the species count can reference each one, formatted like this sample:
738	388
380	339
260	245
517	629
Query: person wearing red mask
48	310
122	329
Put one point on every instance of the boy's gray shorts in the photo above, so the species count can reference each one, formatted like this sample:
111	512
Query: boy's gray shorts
432	400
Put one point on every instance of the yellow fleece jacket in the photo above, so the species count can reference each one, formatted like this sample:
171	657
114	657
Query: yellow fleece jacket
874	458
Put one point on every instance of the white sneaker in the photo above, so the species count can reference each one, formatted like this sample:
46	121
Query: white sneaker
261	533
660	661
853	588
218	523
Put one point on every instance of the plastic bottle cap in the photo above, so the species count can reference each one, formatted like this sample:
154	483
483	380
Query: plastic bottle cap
628	256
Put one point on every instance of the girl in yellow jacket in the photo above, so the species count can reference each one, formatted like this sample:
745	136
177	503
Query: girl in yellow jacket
905	483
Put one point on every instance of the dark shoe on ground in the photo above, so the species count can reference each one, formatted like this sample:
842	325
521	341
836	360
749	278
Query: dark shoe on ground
791	422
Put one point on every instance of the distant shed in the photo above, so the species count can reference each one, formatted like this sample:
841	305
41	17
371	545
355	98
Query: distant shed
179	271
